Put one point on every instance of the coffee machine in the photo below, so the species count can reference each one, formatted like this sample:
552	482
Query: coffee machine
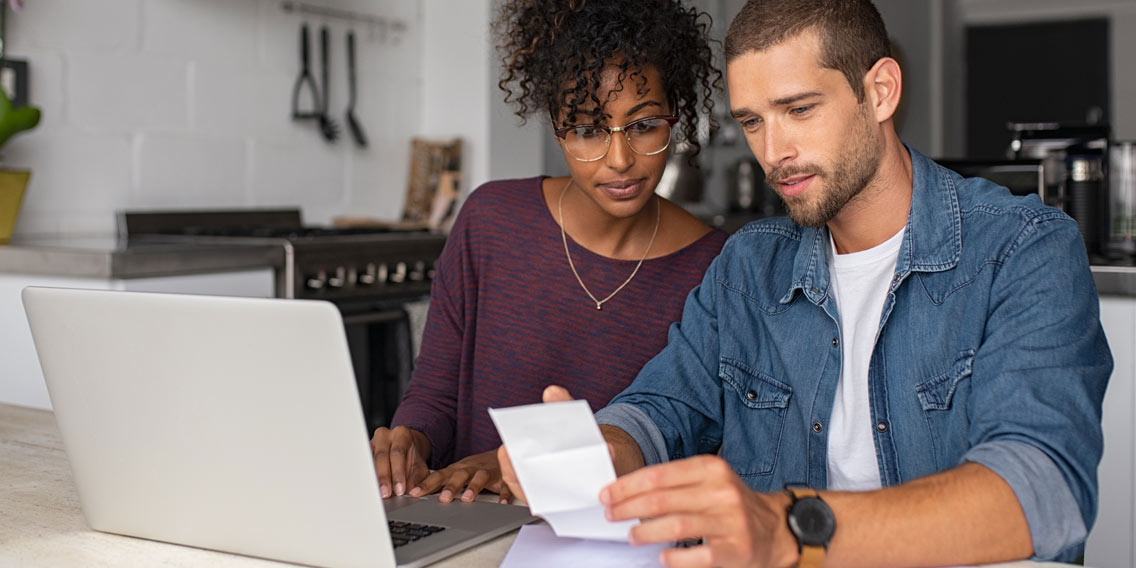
1076	166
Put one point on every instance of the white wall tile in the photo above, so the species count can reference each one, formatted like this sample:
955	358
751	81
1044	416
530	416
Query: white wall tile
125	93
202	30
168	103
243	100
180	170
71	174
78	25
311	174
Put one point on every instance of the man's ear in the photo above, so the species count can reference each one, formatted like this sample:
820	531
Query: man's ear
883	86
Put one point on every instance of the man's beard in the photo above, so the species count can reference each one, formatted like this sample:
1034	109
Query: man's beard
852	171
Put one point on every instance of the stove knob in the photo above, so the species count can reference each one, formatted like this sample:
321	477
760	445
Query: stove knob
317	282
399	274
381	275
368	276
430	272
339	279
419	272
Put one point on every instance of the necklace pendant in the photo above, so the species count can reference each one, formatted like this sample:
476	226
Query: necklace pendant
599	306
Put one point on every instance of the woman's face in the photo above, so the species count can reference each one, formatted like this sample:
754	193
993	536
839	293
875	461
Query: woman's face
623	181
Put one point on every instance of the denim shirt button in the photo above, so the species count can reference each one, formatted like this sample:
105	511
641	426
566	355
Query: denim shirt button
881	426
752	395
817	427
835	342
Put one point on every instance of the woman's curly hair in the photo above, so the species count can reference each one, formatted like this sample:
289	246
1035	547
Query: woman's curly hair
554	51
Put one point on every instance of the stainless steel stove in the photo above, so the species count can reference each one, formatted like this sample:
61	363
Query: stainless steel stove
337	264
369	273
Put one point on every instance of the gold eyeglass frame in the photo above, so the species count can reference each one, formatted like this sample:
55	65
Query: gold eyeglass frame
562	133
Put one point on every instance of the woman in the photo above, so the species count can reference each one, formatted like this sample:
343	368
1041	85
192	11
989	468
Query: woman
570	281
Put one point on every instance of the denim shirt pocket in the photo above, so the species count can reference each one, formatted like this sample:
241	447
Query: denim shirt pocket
755	405
943	398
938	392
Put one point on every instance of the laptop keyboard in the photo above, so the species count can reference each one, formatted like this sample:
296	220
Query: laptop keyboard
403	533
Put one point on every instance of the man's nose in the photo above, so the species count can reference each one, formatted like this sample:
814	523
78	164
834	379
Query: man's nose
778	146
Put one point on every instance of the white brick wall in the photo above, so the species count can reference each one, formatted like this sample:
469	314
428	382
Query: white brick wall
186	103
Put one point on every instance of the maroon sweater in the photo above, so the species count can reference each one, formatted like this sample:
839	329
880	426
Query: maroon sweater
507	318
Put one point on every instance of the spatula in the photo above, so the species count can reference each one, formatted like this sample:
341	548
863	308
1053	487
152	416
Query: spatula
328	126
305	80
352	122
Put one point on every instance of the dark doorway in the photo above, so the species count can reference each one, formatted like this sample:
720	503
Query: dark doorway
1038	72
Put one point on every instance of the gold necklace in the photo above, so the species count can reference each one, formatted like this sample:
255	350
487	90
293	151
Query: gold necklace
564	237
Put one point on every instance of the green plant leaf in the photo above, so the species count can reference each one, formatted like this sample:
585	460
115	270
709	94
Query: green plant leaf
15	120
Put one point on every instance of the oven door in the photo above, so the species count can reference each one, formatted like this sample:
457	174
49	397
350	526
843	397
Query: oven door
379	338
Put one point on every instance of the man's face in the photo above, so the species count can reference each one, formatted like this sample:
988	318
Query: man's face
819	146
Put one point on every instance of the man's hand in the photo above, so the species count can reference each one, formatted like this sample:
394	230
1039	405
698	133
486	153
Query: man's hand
400	459
702	497
474	473
625	453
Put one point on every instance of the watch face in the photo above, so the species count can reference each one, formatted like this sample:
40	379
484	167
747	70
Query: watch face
812	521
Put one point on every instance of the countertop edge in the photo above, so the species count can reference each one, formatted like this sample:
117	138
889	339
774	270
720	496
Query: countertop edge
142	262
1115	280
176	260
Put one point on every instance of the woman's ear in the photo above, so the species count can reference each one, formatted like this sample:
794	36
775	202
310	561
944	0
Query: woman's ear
883	86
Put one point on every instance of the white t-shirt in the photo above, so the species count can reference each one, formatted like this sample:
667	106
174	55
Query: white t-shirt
860	283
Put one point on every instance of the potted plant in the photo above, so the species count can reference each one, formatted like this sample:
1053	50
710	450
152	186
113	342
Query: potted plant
12	121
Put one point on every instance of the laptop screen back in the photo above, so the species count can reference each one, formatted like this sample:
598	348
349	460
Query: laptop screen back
224	423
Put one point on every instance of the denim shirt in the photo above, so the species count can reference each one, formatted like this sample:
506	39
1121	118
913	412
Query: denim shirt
989	350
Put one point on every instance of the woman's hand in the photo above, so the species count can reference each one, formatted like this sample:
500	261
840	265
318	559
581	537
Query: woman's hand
400	459
472	474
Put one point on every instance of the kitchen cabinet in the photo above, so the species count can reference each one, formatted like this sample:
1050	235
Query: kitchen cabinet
104	263
1110	542
22	380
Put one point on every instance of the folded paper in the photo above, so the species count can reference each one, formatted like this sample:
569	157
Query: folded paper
562	463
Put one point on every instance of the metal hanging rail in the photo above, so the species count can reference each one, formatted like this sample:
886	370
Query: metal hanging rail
323	11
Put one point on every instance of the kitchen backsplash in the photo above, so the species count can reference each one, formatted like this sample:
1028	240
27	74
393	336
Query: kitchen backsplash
187	103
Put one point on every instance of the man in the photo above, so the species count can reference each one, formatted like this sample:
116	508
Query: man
918	354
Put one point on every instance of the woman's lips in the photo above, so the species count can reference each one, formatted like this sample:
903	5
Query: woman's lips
622	189
795	186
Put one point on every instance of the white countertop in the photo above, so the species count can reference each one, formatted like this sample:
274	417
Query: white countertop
42	525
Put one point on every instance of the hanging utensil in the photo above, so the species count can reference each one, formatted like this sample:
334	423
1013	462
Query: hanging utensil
352	122
328	126
305	79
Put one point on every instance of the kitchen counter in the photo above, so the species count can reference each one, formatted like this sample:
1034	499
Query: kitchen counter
106	257
43	525
1115	280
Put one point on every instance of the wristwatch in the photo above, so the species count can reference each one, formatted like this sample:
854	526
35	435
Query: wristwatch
812	522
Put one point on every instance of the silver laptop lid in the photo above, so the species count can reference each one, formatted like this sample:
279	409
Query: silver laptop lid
224	423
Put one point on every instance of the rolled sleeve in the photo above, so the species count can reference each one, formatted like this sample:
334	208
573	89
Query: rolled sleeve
640	427
1056	526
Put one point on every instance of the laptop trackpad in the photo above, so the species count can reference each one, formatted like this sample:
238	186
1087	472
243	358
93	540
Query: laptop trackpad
396	502
476	516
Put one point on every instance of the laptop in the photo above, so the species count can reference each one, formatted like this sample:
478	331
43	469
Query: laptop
231	424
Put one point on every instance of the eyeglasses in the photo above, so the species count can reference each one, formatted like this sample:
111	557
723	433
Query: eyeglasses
590	142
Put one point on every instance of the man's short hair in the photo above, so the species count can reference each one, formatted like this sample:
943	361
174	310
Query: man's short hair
852	33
